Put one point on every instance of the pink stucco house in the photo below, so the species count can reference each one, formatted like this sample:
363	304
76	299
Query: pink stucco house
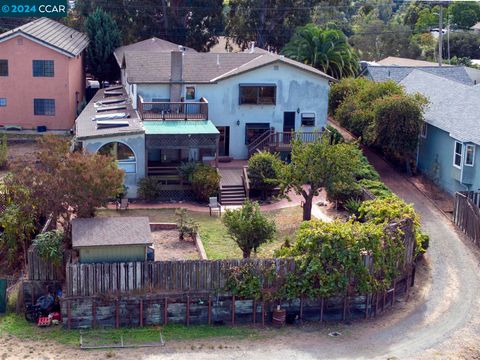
42	79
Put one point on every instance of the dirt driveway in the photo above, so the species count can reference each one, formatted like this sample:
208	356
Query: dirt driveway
440	321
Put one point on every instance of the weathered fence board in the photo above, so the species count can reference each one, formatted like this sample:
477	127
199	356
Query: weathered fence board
41	270
466	214
161	276
203	308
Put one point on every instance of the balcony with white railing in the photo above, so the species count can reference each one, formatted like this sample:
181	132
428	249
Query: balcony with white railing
167	110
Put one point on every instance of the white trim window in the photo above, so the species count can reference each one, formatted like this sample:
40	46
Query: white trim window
457	154
423	130
469	155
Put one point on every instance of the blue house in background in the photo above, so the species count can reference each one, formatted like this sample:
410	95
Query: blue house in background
449	148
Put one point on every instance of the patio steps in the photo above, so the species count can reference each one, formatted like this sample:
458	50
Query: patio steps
232	195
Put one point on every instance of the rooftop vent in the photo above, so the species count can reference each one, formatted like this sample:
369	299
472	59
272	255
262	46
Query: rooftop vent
110	116
111	107
109	102
112	93
105	124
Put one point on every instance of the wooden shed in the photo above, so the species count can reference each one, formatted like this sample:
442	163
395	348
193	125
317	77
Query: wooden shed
111	239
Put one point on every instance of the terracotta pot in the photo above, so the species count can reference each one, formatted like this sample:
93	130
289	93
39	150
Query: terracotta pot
279	317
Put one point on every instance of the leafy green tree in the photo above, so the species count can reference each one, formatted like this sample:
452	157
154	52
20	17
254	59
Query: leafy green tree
264	170
65	184
104	37
463	44
382	114
248	227
269	23
194	23
464	14
375	40
327	50
355	111
397	123
49	246
318	165
427	19
18	227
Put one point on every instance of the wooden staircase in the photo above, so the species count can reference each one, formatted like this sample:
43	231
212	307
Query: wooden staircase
232	186
280	141
232	195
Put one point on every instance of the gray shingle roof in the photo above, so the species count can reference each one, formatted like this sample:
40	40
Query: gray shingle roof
111	231
85	127
454	107
152	67
398	73
399	61
52	33
153	44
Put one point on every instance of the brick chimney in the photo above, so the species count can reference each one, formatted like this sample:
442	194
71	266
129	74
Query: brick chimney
176	75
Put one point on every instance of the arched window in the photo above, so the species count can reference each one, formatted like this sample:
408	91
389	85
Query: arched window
122	153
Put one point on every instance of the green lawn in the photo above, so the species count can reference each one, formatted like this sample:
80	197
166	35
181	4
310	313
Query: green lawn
213	233
12	324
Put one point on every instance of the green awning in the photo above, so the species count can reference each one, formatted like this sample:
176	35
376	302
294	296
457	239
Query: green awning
179	127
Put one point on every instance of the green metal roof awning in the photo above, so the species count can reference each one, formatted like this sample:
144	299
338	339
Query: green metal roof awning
179	127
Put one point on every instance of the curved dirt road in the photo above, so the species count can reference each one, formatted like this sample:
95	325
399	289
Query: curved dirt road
440	321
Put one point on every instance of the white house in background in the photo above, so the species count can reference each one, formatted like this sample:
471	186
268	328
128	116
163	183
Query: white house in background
182	105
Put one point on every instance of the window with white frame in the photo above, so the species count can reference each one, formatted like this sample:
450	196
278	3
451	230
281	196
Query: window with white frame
308	119
470	155
457	154
423	130
122	154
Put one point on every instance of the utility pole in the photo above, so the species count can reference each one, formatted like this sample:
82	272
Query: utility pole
440	36
448	40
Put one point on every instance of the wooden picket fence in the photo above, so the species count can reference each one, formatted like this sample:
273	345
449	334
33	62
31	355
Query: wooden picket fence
466	214
161	276
41	270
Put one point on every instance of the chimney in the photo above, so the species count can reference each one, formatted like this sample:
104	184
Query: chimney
252	47
176	75
218	59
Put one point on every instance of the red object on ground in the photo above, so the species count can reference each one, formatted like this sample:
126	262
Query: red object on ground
56	316
44	321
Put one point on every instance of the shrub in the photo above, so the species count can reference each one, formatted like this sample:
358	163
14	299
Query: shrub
205	182
341	192
352	205
187	169
376	187
330	259
186	225
393	209
336	136
3	151
149	188
49	246
341	90
264	171
382	114
248	227
244	281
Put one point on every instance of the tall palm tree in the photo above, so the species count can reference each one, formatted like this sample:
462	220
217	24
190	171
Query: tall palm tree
326	50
